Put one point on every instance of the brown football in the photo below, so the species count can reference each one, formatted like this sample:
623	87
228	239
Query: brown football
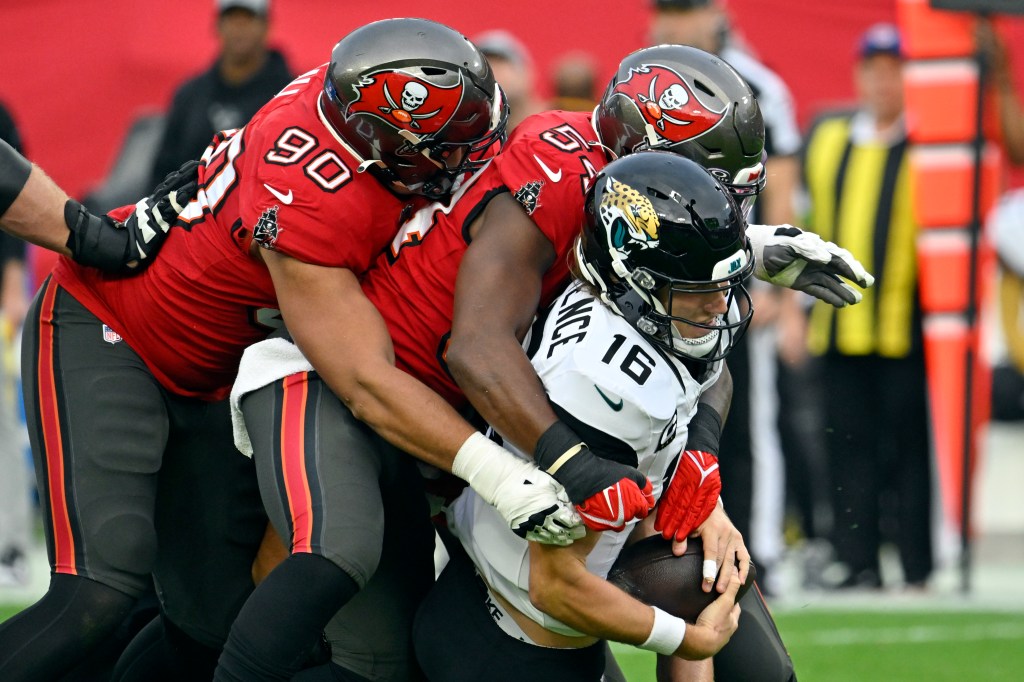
649	571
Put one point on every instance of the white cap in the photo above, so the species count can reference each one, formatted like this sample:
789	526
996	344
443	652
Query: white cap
259	7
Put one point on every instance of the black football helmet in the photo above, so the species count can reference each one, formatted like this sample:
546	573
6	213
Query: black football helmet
657	220
688	101
406	94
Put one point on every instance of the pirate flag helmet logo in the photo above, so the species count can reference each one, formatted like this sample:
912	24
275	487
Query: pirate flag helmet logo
406	101
671	107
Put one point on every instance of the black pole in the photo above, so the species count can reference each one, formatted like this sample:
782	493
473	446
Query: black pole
970	315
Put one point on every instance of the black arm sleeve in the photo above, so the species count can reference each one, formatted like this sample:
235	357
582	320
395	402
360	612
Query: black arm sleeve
14	171
11	248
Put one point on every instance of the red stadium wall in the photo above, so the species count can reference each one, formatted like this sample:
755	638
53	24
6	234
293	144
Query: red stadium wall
76	73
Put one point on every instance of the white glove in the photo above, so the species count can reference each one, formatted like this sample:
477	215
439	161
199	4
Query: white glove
534	504
790	257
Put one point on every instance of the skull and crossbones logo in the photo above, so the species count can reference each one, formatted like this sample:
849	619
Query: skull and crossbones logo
413	96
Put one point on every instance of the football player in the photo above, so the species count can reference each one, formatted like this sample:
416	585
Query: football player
504	237
625	352
125	376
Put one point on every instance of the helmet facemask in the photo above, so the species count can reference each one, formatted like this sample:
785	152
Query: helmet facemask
476	151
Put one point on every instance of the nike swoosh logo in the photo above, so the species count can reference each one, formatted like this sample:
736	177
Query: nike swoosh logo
616	521
284	198
553	176
615	406
704	473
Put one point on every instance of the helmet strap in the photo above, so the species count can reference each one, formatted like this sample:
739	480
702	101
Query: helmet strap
421	146
652	136
366	165
498	106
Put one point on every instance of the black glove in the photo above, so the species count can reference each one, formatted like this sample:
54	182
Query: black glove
112	246
606	494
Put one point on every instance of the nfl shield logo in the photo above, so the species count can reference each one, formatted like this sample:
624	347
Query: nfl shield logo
110	336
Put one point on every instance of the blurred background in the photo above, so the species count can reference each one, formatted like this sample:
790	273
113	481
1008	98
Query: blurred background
88	84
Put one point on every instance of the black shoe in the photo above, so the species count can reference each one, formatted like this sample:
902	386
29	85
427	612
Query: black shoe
867	579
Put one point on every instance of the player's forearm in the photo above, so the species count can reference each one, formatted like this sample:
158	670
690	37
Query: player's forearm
346	340
507	394
496	298
561	587
36	211
401	409
405	413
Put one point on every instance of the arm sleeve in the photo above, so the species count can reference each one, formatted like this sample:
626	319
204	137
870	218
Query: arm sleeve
11	248
9	131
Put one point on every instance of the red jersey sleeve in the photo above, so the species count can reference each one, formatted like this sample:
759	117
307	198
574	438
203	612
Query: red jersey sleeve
547	165
303	196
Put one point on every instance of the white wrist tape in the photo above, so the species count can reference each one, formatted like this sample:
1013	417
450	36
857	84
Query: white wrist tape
485	465
666	634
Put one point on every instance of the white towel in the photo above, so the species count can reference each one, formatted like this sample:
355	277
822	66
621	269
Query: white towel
262	364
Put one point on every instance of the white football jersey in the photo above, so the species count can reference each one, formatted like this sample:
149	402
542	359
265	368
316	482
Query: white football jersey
601	371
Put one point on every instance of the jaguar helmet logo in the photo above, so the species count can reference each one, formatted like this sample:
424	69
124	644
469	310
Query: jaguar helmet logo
668	103
628	217
406	101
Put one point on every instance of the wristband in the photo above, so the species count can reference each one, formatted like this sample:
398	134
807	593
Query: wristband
666	634
556	446
705	430
14	172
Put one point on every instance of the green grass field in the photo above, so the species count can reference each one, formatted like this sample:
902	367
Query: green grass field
881	646
878	646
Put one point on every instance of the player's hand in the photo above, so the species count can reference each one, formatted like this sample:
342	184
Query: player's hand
537	508
725	552
127	243
715	625
533	503
149	224
691	495
607	494
790	257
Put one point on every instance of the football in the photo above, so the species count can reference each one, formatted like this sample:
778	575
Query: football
648	571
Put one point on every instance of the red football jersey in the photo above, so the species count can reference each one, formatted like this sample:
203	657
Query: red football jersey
285	181
546	165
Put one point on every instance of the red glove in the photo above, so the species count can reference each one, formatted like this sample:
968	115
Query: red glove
607	494
616	505
691	495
